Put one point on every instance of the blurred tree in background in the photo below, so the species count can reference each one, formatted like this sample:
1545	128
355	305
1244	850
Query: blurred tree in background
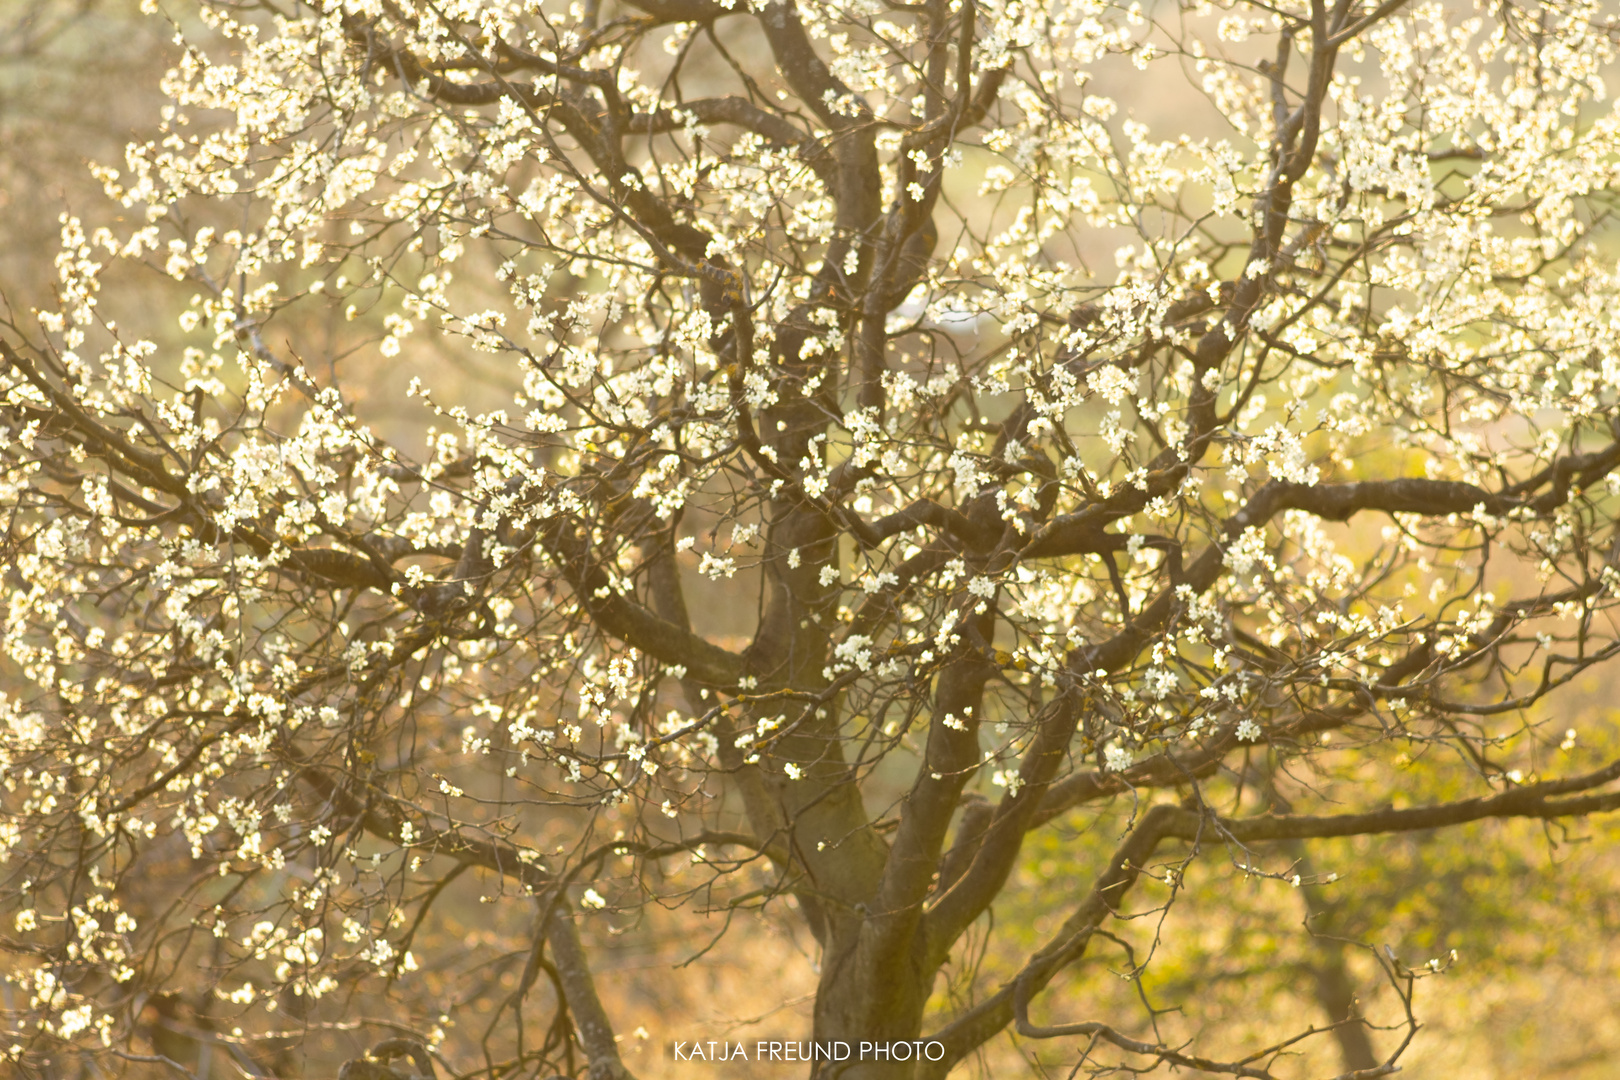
532	529
77	82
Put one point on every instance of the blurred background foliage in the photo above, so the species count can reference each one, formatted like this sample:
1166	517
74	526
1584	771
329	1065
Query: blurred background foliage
1522	917
78	80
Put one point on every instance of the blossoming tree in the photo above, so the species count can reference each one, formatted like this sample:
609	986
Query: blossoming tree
1058	462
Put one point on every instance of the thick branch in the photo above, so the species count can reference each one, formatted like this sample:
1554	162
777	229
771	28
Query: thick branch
595	1032
631	623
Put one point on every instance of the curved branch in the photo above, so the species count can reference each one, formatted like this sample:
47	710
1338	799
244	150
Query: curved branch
1165	822
633	624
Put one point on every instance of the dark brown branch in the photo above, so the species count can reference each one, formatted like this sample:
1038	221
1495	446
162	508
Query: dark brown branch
744	114
804	70
943	518
595	1031
684	11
